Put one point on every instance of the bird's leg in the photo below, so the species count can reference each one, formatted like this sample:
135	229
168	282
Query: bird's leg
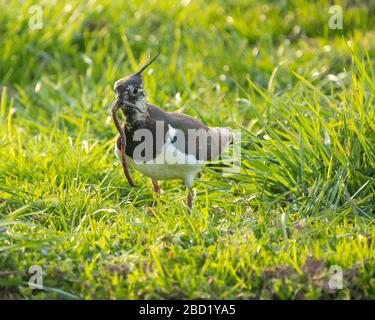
156	185
190	198
156	190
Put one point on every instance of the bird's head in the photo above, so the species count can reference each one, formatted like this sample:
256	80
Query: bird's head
131	88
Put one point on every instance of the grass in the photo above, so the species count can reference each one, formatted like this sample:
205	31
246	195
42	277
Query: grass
303	202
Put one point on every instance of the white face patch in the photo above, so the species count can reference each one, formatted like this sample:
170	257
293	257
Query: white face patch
139	116
141	104
130	87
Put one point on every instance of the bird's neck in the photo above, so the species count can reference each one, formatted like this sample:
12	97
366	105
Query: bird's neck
134	118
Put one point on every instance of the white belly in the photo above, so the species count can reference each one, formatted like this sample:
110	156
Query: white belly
169	164
166	171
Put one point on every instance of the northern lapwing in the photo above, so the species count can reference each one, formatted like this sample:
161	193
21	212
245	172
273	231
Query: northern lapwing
162	145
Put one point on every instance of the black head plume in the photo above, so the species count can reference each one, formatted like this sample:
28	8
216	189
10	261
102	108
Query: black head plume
147	64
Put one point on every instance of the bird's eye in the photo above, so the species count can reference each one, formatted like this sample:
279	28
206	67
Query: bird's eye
135	91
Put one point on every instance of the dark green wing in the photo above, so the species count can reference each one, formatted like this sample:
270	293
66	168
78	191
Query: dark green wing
200	147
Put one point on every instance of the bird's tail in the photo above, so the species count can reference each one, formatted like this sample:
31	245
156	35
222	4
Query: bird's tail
221	139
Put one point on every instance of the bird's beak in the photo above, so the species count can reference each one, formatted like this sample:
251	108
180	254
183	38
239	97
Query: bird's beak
121	103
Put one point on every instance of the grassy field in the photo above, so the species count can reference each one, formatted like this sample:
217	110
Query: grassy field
301	206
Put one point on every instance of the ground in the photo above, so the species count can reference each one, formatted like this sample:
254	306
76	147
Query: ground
299	88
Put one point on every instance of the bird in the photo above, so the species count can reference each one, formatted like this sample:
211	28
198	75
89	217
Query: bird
162	145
